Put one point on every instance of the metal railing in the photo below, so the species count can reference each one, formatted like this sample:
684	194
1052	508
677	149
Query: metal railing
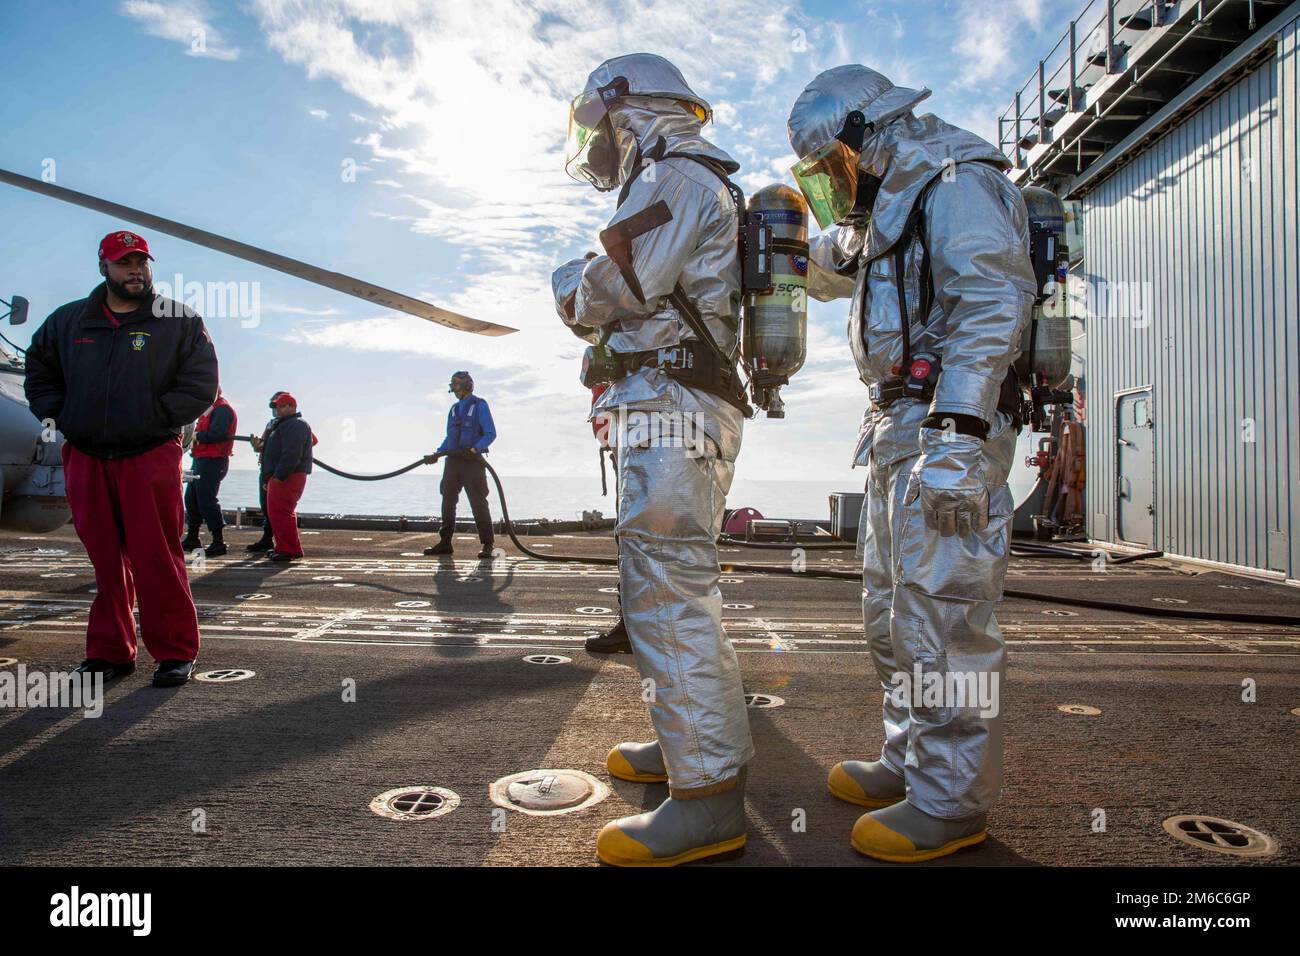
1096	25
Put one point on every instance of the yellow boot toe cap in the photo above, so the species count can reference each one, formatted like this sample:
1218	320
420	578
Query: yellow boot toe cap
843	787
618	766
874	839
616	848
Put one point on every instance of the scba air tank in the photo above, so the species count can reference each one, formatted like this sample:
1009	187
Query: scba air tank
1045	346
776	317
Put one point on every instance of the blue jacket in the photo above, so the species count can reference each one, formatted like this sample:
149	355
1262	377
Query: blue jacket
469	425
288	448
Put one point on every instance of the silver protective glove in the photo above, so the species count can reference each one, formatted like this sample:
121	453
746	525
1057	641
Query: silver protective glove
564	283
949	478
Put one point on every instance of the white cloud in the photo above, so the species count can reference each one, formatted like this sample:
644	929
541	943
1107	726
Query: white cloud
182	21
466	105
471	100
277	308
320	114
984	46
995	40
1031	11
541	346
878	24
997	45
780	166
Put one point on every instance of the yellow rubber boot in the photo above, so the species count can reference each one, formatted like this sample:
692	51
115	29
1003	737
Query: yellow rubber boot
903	834
866	784
677	831
638	763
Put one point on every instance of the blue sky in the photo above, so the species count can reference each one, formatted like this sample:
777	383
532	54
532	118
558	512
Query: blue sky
239	117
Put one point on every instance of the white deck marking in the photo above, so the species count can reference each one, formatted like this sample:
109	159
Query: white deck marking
386	626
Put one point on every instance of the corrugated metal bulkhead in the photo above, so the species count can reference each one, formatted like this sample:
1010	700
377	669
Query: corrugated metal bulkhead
1191	257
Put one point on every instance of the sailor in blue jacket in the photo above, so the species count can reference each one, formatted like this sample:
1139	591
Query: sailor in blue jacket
469	434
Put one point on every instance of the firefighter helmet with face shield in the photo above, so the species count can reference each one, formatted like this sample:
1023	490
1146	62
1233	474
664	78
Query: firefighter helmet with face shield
831	126
602	152
830	180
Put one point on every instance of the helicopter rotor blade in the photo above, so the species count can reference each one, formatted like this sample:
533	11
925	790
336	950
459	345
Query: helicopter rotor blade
272	260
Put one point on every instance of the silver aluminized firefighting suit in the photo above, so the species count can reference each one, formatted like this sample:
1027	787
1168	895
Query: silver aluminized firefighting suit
927	598
671	492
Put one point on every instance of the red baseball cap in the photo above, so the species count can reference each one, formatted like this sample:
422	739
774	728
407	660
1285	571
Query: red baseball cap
284	398
118	244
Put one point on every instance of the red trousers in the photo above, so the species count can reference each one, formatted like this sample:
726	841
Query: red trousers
282	510
127	513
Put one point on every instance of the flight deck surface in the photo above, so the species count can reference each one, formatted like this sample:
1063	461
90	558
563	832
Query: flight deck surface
283	768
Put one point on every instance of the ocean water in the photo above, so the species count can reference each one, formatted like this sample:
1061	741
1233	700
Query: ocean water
416	495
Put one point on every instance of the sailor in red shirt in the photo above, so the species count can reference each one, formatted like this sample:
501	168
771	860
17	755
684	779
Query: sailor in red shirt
214	443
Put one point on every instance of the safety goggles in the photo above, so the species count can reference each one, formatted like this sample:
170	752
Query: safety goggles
828	179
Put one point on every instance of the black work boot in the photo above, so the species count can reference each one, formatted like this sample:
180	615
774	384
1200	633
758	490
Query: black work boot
110	670
191	542
218	546
613	641
173	673
442	547
265	543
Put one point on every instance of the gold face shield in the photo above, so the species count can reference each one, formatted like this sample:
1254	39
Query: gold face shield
828	179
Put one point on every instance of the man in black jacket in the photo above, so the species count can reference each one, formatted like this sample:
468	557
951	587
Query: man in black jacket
286	463
121	373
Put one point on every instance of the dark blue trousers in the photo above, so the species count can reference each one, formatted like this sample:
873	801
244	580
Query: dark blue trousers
201	503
